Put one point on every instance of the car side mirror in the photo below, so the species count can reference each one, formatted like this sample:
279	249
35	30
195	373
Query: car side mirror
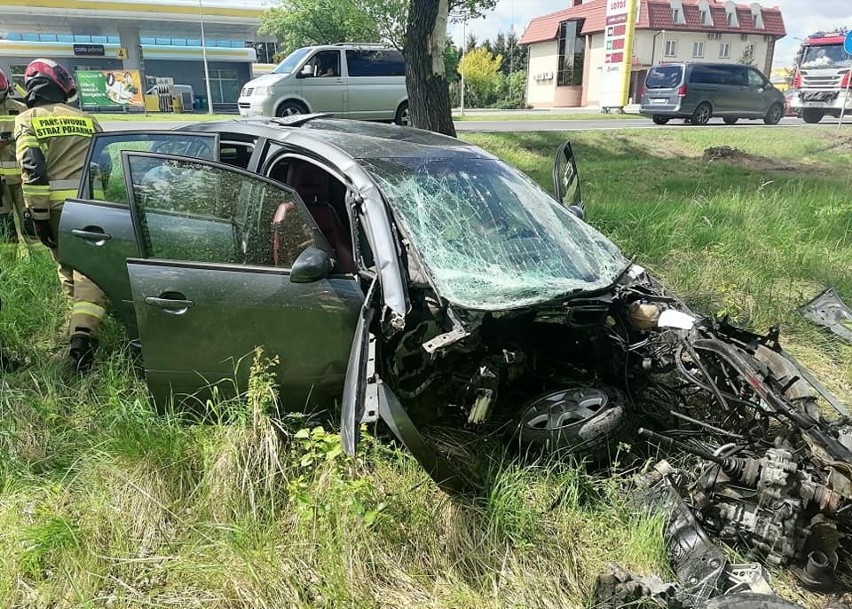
311	265
305	72
566	179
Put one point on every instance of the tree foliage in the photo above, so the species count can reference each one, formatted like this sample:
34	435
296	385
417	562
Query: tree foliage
298	23
480	70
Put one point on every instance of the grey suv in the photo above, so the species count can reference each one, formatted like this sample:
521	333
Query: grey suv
699	91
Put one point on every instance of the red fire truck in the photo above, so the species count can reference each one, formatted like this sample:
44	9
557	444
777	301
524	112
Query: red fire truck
823	78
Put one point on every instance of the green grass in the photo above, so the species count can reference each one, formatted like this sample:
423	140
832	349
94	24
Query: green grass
104	503
519	115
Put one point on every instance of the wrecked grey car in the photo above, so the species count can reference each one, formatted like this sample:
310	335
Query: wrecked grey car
413	278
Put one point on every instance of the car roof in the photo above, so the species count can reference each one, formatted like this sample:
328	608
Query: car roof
357	139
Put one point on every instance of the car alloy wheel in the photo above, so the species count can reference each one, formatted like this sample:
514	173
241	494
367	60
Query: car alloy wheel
702	114
577	419
773	117
290	108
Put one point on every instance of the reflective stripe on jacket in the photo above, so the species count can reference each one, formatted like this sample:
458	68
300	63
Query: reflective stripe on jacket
52	144
9	168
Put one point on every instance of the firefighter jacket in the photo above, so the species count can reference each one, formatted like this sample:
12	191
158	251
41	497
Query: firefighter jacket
9	169
52	142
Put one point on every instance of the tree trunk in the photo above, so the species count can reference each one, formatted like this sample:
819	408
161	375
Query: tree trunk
428	87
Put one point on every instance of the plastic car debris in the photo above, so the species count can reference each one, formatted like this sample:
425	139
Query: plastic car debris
828	311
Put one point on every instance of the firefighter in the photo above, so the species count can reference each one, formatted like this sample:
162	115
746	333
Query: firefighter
52	140
11	197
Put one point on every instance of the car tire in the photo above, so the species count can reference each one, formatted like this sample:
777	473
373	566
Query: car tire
290	107
811	115
773	116
403	115
731	120
702	114
580	420
660	120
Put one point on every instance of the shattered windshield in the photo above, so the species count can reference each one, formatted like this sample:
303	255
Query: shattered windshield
491	238
830	56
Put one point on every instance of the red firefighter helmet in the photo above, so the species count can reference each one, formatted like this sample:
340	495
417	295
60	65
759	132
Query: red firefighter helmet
52	71
4	85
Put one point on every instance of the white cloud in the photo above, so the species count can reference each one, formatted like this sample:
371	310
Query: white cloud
801	18
504	15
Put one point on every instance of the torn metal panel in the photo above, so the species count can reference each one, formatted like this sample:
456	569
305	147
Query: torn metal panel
828	311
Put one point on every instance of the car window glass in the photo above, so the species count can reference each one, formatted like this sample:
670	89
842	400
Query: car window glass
236	154
324	63
375	63
104	173
755	79
196	212
664	77
735	75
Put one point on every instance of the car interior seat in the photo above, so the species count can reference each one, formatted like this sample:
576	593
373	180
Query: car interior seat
312	185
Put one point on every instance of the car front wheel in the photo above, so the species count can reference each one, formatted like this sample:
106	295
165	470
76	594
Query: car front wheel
288	108
403	115
581	420
773	117
702	114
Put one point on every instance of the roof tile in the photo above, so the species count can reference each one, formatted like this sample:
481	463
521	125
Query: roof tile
656	15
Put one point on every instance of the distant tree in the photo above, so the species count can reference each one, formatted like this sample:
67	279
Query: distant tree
452	55
298	23
480	69
425	43
470	43
747	57
516	54
499	46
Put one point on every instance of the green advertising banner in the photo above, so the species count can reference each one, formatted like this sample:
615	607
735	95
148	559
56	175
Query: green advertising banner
110	89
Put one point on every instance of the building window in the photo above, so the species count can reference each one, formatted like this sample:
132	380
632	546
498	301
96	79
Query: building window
743	36
698	49
703	16
572	53
714	36
224	86
671	48
725	50
730	19
675	15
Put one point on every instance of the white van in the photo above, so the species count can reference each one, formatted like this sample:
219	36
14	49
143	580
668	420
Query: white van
350	80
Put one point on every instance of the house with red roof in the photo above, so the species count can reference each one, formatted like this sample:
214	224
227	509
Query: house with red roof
566	48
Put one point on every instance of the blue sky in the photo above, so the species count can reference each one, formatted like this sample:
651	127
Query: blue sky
800	16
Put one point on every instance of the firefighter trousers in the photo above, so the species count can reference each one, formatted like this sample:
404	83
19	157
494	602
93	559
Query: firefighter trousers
89	302
13	202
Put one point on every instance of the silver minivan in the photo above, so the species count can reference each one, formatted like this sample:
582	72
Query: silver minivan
360	81
700	91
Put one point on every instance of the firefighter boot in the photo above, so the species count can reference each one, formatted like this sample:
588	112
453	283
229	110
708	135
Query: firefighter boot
81	350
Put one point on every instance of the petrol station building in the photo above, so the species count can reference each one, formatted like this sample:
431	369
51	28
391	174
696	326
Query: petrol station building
159	38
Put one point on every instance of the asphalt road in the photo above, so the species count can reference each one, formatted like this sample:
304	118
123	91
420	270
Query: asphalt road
524	125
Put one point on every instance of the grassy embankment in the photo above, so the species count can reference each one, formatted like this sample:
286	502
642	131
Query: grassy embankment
105	504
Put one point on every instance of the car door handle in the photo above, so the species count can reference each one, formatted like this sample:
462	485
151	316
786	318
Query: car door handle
173	306
91	235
